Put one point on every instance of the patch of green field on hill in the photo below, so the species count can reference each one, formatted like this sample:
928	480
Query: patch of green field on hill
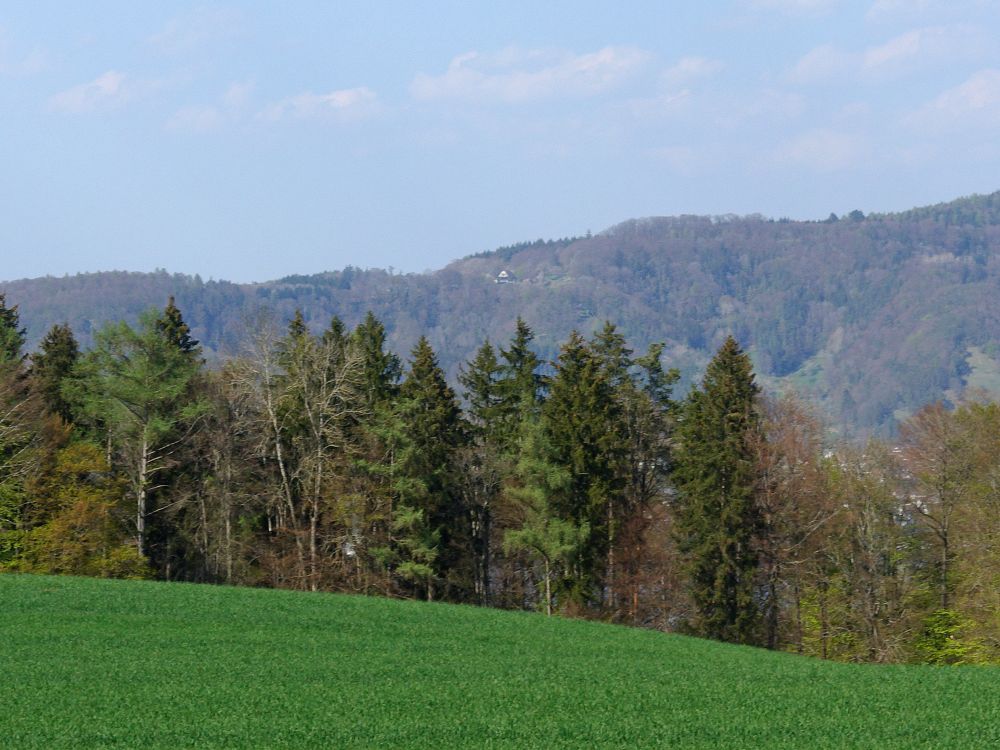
90	663
984	370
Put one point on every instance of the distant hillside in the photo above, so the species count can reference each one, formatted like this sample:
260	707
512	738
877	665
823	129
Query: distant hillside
873	316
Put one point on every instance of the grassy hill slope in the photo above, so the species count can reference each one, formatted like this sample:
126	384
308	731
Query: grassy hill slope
90	663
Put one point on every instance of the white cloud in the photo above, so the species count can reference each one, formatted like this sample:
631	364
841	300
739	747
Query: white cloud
108	89
691	68
793	7
518	76
205	119
897	49
341	105
238	95
822	150
822	63
932	46
972	104
892	8
196	29
19	64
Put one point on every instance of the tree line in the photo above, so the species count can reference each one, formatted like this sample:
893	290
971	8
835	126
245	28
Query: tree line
584	486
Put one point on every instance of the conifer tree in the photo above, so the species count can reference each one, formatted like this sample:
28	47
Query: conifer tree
137	384
172	327
432	424
519	386
17	433
581	422
554	542
381	369
609	347
12	335
51	366
717	516
480	378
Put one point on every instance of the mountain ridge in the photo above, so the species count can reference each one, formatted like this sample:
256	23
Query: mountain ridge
870	316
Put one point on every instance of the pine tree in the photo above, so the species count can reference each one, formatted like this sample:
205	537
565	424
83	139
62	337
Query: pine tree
552	541
172	327
581	419
434	431
480	378
12	335
609	347
137	385
519	387
717	516
51	366
381	369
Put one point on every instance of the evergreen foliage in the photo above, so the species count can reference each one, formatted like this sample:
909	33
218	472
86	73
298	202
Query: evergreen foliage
12	335
717	514
136	384
434	430
582	421
481	379
172	327
51	366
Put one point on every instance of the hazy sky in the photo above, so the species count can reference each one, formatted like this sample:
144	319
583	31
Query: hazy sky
253	140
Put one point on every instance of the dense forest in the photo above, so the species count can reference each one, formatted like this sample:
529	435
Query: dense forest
584	484
870	316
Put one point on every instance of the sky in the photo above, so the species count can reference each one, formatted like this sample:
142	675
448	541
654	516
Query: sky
249	141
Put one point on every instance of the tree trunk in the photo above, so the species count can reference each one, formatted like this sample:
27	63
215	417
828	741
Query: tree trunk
140	515
548	590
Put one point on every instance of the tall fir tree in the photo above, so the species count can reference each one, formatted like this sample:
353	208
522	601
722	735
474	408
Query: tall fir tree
581	419
519	386
172	327
717	518
480	378
434	431
137	385
381	368
12	335
52	365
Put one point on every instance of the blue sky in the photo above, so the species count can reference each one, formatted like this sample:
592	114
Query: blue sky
248	141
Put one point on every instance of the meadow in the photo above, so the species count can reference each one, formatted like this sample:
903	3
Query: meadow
95	663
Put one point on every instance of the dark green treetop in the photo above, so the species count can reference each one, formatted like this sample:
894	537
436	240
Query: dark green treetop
717	515
381	369
12	335
51	365
171	325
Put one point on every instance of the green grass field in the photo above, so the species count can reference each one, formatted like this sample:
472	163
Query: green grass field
90	663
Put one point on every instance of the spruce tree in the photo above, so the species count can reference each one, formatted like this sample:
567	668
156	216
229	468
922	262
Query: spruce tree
434	431
581	419
480	377
381	368
172	327
553	542
51	365
717	515
609	347
137	384
519	387
12	335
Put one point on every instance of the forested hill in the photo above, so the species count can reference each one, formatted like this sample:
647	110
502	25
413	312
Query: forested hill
872	316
